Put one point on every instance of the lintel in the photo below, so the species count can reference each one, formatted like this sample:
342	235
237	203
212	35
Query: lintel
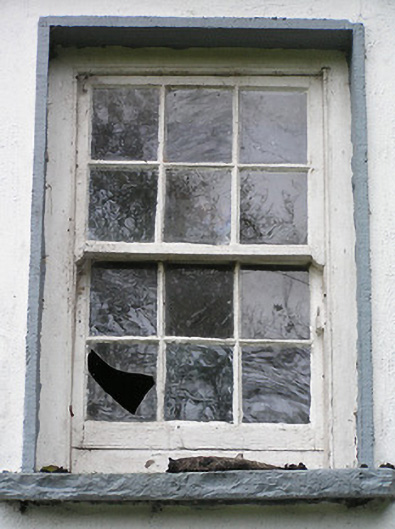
138	32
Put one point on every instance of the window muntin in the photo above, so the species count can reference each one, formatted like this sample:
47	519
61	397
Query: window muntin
289	233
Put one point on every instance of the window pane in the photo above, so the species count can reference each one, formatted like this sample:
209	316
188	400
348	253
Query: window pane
273	208
199	301
198	125
276	384
273	127
125	123
198	205
122	205
199	383
123	299
275	304
131	358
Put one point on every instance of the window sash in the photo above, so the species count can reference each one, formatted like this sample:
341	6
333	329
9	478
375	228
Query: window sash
162	435
314	169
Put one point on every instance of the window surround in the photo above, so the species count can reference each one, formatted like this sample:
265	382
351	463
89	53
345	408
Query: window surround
209	32
113	447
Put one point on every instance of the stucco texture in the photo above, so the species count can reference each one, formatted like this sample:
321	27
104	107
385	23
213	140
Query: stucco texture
18	29
154	517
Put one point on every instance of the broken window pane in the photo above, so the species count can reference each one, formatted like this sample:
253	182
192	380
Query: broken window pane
273	207
198	205
275	303
125	123
199	301
198	125
273	127
130	358
123	299
276	384
122	204
199	383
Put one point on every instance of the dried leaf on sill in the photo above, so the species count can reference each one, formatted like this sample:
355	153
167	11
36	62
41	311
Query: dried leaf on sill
215	464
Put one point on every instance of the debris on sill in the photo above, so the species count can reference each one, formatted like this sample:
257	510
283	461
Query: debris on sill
383	465
387	465
221	464
54	469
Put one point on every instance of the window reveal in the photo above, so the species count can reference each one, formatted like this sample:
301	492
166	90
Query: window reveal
208	166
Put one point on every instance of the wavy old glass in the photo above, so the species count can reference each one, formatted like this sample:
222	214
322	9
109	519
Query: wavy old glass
273	126
275	304
133	358
276	384
125	123
199	301
123	299
273	207
199	383
198	205
198	125
122	205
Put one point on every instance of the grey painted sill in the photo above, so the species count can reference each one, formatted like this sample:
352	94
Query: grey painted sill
350	485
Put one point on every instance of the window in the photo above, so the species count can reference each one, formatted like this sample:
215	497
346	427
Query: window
195	235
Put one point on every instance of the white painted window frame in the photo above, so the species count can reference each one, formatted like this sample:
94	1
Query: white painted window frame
329	440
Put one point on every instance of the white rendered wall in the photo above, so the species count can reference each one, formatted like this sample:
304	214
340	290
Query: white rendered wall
18	30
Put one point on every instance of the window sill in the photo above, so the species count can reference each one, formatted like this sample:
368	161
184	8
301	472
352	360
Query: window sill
345	485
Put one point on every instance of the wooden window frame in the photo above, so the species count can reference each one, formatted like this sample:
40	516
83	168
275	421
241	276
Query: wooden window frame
338	441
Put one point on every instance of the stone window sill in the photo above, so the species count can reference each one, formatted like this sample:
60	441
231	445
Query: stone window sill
353	486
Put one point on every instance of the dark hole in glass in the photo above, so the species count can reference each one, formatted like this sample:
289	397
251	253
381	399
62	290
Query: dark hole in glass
128	389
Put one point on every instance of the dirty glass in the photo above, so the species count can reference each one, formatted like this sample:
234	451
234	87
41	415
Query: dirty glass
273	126
273	207
199	383
276	384
199	301
275	304
123	299
125	123
131	358
198	125
198	205
122	204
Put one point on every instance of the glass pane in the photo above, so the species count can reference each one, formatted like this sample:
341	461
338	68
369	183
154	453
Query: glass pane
122	205
125	123
198	125
123	299
273	127
198	205
275	304
273	208
276	384
199	301
131	358
199	383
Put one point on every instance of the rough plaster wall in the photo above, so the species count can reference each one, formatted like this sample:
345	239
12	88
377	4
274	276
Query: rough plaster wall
380	45
18	29
326	516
